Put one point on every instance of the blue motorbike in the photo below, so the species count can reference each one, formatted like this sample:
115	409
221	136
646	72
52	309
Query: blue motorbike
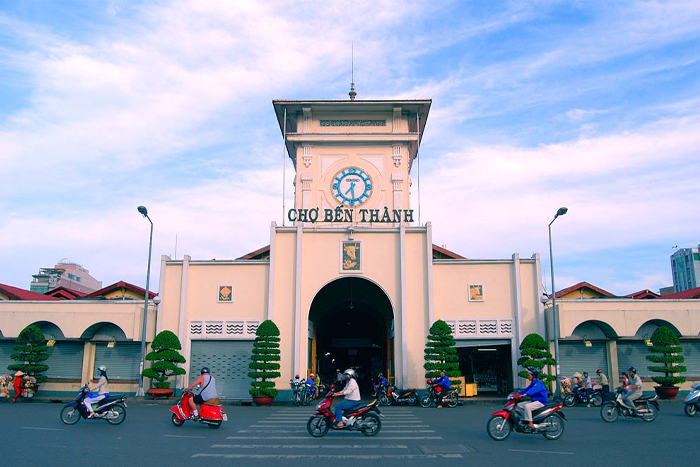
112	409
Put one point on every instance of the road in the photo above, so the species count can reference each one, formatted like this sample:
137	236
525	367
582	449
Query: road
275	436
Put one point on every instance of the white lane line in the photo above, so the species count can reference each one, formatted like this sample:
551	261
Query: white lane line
184	436
331	456
385	425
298	446
39	428
543	452
307	437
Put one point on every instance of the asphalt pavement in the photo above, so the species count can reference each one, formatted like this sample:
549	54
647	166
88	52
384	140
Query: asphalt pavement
276	436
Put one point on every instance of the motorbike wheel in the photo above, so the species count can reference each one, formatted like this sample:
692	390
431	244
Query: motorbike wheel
214	426
425	401
372	425
176	421
306	400
498	428
70	415
121	415
608	412
412	400
556	428
569	400
690	410
317	426
452	400
651	416
384	400
597	400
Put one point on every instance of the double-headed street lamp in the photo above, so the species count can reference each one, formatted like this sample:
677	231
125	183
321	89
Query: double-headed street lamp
555	314
139	391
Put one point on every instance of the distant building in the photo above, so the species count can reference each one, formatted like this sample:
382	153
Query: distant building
685	268
65	274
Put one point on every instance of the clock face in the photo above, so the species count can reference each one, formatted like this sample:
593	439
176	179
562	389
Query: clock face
352	186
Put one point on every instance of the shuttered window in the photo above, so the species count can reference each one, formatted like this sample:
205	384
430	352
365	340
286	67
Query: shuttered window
691	352
633	354
228	363
576	357
65	360
122	360
5	352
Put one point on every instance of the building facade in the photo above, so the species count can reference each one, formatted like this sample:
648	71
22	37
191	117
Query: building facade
65	274
685	268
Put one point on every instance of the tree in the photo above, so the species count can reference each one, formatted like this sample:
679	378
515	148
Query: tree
441	353
165	357
31	351
533	351
665	343
263	361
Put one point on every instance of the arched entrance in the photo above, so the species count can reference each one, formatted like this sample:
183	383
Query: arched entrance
351	319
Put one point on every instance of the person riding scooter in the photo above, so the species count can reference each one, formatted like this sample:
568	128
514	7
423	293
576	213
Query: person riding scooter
634	390
102	386
381	384
443	382
537	392
352	396
208	391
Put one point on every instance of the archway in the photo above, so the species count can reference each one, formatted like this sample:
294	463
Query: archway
351	327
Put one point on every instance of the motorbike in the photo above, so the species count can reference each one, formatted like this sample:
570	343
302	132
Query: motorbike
359	418
647	408
450	398
402	396
548	420
297	396
210	412
578	396
692	400
112	409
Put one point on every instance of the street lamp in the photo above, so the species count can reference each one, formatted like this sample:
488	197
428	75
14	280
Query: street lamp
139	391
555	314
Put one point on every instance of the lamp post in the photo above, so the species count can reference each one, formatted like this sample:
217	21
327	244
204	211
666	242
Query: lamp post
555	314
139	391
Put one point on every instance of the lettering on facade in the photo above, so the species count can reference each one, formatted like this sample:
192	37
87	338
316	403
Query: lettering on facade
340	214
344	122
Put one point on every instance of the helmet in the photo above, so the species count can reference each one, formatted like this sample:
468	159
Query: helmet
102	368
380	375
296	376
312	375
599	371
632	370
205	370
533	371
349	372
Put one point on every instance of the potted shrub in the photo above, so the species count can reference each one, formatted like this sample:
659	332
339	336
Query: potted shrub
533	351
31	352
665	351
264	364
165	357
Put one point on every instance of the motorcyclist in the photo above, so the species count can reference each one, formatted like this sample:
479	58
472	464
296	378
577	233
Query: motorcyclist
443	382
537	392
311	385
603	382
102	386
352	396
634	388
587	386
381	383
208	391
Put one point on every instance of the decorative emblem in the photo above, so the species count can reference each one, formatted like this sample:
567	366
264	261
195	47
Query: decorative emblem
352	186
351	256
225	293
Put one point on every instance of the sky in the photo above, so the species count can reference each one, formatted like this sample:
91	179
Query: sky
105	106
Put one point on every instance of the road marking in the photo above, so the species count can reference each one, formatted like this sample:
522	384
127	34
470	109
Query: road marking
543	452
38	428
298	446
184	436
331	456
306	437
385	425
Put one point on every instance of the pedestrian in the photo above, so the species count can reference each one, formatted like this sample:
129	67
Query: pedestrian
18	382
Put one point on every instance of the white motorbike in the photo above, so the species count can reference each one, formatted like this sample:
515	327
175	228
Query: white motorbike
692	400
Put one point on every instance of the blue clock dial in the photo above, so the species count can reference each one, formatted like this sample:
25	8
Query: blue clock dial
352	186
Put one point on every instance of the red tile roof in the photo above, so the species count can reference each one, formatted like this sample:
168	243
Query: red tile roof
685	295
645	294
119	285
65	293
583	285
15	293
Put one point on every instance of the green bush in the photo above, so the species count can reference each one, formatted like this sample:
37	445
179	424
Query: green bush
665	344
263	360
441	353
533	351
31	350
165	359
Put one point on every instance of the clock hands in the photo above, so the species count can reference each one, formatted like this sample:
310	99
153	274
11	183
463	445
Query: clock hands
351	189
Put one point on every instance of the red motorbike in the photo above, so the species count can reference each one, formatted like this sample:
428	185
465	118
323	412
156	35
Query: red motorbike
548	420
359	418
210	412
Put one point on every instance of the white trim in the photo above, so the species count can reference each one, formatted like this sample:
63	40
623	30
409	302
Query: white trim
270	311
222	329
481	328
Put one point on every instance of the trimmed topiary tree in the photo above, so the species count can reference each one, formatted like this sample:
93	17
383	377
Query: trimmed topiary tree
165	357
665	349
534	353
441	353
31	351
263	361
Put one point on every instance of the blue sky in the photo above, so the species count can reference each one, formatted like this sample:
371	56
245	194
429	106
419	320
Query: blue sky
105	106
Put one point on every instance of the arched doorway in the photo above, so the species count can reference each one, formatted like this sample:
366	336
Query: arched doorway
351	319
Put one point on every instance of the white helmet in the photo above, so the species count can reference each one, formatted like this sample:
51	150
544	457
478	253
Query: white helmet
349	372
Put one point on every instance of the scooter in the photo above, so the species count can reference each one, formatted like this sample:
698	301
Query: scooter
359	418
647	408
548	420
210	412
450	398
112	409
402	396
692	400
579	396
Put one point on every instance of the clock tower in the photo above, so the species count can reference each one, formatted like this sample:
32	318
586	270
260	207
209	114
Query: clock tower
353	159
